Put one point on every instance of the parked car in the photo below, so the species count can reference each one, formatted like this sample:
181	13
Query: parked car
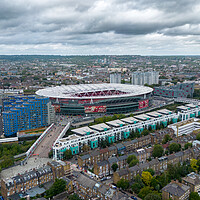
132	197
108	177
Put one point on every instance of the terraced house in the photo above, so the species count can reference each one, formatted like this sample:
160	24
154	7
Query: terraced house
157	164
88	188
21	183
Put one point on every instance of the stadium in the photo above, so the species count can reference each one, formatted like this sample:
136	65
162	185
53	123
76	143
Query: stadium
89	99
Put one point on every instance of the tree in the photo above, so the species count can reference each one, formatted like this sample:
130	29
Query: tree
151	171
163	179
198	136
155	183
174	147
74	197
157	151
146	177
67	154
187	145
133	162
50	154
114	167
138	179
130	158
123	184
136	188
166	139
144	192
152	196
194	196
193	164
145	132
86	148
58	187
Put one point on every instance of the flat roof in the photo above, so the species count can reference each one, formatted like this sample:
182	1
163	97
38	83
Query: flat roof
143	117
116	123
100	127
154	114
183	108
191	105
83	131
129	120
164	111
70	137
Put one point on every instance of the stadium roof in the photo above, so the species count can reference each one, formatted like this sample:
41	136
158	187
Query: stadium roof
93	91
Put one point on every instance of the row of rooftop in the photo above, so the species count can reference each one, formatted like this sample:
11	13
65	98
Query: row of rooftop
129	120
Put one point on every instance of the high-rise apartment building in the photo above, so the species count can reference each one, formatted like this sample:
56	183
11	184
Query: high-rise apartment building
115	78
23	113
141	78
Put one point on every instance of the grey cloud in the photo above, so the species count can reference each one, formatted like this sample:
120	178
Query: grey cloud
101	23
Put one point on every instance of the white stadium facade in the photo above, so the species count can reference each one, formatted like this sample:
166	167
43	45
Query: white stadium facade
98	98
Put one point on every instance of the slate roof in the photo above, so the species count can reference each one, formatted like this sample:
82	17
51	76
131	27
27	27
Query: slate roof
55	164
123	172
175	189
17	179
124	157
102	163
192	178
112	148
179	154
134	168
103	150
86	181
84	157
144	166
95	153
120	146
112	160
153	162
44	170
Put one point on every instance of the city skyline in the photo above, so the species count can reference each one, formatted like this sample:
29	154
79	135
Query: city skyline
100	27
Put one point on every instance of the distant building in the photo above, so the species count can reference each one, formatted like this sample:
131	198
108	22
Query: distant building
51	113
180	90
141	78
25	112
115	78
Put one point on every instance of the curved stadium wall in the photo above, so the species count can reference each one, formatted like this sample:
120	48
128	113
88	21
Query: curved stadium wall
98	98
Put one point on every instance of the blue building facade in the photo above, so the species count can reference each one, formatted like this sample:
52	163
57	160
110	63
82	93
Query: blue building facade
22	113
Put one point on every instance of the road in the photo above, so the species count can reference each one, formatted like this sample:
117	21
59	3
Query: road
45	146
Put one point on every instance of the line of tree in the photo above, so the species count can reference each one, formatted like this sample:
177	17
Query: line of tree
148	185
8	151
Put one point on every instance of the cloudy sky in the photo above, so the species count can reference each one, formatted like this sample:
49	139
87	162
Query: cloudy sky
65	27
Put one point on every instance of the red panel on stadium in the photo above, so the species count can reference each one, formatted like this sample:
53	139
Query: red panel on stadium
95	109
144	104
57	108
